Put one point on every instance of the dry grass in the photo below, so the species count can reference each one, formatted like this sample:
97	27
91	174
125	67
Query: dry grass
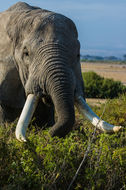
107	70
95	101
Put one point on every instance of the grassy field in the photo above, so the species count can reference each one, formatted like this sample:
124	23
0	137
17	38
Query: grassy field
45	163
107	70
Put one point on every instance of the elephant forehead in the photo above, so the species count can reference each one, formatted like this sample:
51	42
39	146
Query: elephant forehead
57	22
25	15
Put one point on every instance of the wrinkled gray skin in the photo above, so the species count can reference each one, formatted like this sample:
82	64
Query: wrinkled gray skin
39	54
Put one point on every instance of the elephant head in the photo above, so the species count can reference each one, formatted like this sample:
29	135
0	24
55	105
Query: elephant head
46	54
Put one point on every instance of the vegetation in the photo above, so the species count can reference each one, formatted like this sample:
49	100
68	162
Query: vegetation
50	163
99	87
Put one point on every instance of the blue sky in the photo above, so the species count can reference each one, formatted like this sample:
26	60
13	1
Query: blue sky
101	24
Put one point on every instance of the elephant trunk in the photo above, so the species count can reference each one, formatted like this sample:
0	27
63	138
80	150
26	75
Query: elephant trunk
60	86
64	106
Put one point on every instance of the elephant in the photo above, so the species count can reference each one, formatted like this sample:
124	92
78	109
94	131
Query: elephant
40	71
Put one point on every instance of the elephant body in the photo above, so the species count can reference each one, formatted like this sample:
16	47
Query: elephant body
40	71
39	54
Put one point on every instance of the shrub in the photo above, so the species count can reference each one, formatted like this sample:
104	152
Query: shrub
99	87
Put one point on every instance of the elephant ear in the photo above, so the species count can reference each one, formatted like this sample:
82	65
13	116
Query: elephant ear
19	12
21	21
77	70
13	30
80	84
20	25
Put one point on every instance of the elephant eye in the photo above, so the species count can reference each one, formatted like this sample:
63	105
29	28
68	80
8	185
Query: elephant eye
25	52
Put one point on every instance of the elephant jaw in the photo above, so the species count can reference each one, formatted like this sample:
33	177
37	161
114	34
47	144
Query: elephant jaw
84	109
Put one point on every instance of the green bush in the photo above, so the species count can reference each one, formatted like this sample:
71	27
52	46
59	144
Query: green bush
99	87
45	163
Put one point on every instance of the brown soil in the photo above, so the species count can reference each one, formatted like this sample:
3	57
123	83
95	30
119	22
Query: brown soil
107	70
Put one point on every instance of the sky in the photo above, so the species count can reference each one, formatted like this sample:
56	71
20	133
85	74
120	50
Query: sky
101	24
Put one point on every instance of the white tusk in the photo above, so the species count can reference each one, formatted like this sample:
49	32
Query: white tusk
25	117
93	118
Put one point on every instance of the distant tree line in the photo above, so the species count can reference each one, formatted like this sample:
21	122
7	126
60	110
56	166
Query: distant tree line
101	58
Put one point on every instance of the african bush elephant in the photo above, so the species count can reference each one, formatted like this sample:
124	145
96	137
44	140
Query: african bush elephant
40	71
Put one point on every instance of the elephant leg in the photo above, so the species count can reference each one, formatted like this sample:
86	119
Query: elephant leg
8	114
44	115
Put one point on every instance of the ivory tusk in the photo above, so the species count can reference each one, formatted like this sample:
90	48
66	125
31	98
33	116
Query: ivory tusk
85	110
25	117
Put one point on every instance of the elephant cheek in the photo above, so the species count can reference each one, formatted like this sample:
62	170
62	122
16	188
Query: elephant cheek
32	86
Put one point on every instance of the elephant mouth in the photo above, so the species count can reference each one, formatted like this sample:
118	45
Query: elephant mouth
82	106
